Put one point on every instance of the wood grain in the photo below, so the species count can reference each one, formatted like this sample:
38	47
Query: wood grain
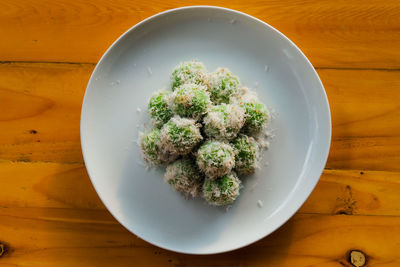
55	185
50	214
365	118
41	113
47	185
355	193
364	103
339	34
368	153
59	237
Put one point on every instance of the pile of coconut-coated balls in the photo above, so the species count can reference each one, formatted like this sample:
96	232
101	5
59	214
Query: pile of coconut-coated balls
206	130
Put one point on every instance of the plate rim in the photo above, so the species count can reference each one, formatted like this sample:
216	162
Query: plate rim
292	210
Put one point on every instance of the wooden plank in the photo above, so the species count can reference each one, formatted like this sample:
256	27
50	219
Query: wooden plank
369	153
354	192
40	113
363	103
341	34
55	185
47	185
365	112
65	237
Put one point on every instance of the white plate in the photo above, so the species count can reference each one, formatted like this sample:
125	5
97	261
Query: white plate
139	63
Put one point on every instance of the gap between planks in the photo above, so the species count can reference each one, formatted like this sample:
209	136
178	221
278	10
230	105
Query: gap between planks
95	63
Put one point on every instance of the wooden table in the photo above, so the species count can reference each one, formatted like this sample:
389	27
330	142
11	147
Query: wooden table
49	212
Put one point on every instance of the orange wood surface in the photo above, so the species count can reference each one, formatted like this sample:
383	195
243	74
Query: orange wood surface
50	214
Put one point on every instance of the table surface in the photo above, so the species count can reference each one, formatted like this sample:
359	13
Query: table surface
50	214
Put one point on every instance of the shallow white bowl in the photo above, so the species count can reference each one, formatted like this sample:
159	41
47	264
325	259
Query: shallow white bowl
139	63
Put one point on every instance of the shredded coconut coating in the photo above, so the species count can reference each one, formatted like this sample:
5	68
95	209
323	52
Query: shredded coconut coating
247	154
153	153
222	191
244	95
189	72
223	122
190	100
224	85
206	161
184	176
257	115
180	135
215	158
159	109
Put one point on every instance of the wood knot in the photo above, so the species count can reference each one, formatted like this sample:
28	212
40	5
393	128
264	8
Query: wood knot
2	249
346	204
357	258
33	132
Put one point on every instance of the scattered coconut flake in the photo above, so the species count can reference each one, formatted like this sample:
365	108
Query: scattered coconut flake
266	163
140	163
141	134
138	110
146	163
270	134
260	204
274	114
266	144
266	68
263	143
233	21
118	81
112	83
149	70
228	208
253	187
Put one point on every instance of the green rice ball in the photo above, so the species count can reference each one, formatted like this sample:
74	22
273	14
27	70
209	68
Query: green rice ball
223	122
222	191
247	152
215	158
189	72
180	135
150	143
256	117
159	109
224	85
190	100
184	176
